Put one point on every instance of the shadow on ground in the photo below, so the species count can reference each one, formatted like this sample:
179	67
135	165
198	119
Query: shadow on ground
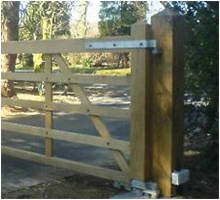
17	174
203	184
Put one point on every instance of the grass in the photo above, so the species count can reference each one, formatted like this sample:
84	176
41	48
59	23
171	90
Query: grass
114	72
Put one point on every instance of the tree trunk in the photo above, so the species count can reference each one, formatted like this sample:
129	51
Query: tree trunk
47	29
10	18
81	24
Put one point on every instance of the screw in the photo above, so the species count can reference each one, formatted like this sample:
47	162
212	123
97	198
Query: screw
114	45
141	44
108	143
90	45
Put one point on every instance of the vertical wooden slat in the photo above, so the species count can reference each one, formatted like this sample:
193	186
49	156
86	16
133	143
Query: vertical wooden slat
48	101
168	83
141	150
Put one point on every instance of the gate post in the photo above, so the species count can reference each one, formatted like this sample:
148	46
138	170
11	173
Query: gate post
141	137
168	97
157	102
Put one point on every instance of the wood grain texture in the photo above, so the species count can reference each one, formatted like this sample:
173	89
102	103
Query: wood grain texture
141	150
67	164
57	46
81	138
156	103
38	77
168	98
23	103
67	78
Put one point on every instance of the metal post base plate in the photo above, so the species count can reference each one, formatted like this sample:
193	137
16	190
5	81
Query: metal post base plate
137	190
131	195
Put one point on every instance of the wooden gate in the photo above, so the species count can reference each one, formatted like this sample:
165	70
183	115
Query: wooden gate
156	111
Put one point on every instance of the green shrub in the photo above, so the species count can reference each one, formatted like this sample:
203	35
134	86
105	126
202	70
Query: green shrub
86	62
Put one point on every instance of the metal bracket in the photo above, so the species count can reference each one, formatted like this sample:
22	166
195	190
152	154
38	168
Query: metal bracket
137	189
149	189
180	177
121	185
126	44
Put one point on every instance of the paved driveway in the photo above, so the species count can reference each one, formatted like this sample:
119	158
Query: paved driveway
17	173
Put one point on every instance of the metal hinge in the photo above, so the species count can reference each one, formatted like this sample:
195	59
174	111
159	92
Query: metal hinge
148	189
126	44
137	190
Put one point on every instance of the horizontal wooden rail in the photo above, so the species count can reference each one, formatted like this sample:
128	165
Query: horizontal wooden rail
73	108
23	103
70	78
67	136
67	164
57	46
25	76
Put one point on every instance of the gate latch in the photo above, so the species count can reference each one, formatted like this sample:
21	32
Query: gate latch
180	177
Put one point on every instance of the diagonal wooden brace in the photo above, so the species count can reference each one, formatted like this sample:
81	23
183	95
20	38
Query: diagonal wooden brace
97	121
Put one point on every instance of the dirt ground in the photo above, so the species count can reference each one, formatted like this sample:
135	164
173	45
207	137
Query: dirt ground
74	187
203	182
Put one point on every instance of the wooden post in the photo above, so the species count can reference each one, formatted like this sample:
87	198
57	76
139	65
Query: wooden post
141	150
168	95
48	101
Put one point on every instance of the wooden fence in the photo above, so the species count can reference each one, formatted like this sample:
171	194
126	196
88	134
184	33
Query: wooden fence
156	111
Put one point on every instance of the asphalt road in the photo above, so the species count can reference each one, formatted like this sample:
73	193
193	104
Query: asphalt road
17	173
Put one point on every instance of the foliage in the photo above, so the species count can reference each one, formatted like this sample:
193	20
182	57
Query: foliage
117	16
74	58
44	20
202	52
24	61
35	14
86	62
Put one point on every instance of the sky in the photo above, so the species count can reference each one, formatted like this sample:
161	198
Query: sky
92	12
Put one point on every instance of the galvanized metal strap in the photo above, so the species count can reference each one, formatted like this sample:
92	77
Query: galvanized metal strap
126	44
